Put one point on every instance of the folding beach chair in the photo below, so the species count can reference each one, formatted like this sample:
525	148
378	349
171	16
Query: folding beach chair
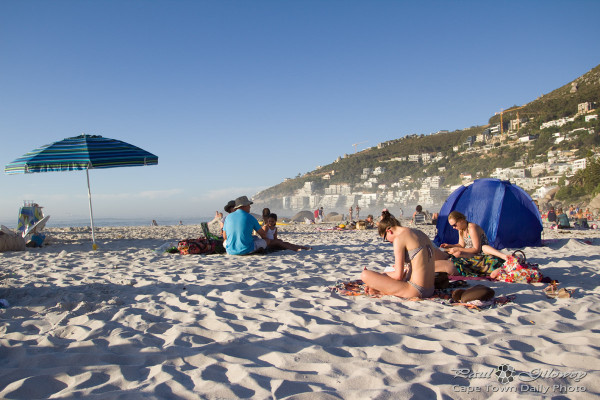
29	215
420	219
31	221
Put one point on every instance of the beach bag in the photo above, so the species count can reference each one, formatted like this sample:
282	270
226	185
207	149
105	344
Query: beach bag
517	270
200	246
441	280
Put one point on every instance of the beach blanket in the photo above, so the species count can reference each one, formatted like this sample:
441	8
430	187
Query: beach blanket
442	296
478	265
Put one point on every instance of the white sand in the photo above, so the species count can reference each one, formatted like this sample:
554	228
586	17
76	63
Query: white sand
125	322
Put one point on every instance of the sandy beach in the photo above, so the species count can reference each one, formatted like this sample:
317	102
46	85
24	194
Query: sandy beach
126	322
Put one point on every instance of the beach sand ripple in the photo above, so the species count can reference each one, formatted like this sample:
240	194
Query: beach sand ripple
127	322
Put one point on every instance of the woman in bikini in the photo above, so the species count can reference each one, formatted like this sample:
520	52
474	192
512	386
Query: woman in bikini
414	266
472	245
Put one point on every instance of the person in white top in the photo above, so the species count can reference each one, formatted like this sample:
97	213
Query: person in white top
273	243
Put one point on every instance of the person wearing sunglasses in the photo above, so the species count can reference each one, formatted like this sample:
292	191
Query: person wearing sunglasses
472	255
414	267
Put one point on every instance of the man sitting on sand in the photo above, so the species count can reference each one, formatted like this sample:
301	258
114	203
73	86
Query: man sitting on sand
238	229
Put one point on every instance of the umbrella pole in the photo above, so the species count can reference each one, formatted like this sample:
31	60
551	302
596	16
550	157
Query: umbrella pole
87	172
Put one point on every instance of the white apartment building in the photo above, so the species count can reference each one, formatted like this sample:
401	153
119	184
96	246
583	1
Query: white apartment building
307	189
528	138
314	201
579	164
541	192
298	202
526	183
367	200
584	108
508	173
538	169
560	168
549	180
330	201
557	122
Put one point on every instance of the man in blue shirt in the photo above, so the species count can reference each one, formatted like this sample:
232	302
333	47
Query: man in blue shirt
238	229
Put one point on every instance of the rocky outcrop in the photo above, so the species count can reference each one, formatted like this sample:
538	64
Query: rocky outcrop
595	203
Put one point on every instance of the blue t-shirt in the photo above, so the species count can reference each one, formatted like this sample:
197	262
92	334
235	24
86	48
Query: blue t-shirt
238	227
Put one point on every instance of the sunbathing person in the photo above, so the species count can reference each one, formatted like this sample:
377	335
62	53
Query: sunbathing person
273	243
414	263
472	255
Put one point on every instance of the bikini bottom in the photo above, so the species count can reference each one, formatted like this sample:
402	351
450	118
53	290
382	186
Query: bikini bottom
422	291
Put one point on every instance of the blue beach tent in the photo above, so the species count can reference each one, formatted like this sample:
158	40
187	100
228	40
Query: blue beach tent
506	213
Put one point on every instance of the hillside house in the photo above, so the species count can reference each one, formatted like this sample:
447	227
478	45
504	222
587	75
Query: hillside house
413	158
579	164
528	138
526	183
541	192
549	180
584	108
557	122
538	169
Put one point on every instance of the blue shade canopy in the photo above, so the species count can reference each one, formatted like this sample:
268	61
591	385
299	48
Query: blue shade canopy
79	153
504	211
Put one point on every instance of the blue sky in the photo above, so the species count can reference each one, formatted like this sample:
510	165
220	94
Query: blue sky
235	96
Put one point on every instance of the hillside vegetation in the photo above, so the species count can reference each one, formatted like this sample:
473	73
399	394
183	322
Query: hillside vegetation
560	103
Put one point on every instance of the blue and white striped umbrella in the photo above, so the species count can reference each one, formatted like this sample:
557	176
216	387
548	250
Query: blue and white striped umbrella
82	152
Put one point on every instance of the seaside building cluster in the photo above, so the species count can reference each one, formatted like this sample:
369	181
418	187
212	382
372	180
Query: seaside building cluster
538	176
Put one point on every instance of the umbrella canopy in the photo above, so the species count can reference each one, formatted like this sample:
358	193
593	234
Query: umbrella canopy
82	152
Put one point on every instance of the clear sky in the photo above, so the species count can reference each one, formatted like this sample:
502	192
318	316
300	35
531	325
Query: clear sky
235	96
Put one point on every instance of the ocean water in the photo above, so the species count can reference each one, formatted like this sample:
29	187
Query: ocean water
80	222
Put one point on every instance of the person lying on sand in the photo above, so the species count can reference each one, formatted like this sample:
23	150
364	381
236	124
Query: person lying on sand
270	229
414	266
469	255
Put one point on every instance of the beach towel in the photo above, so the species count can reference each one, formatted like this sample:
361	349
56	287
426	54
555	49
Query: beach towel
208	234
442	296
478	265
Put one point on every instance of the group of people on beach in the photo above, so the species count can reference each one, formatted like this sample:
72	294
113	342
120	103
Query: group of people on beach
416	258
561	220
239	225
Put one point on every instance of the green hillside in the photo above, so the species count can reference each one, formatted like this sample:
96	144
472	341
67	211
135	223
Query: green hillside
560	103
